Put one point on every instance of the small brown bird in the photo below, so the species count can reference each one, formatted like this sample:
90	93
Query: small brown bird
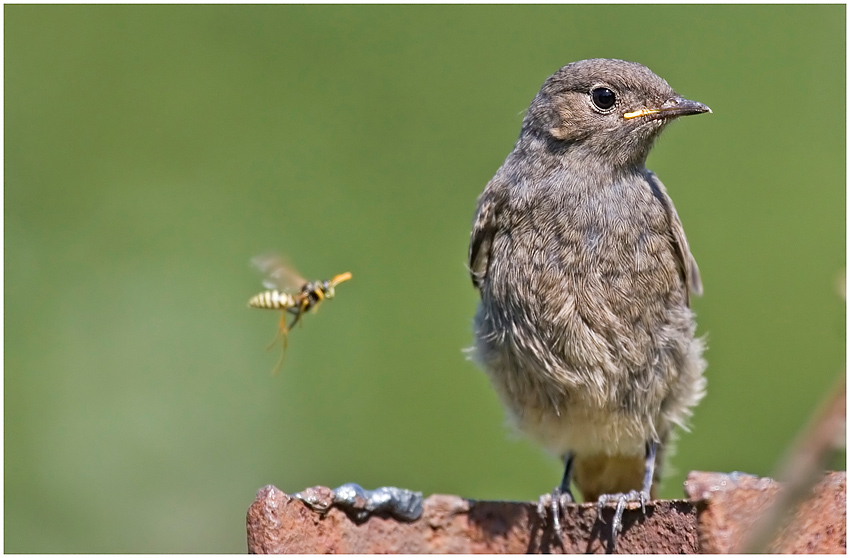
585	275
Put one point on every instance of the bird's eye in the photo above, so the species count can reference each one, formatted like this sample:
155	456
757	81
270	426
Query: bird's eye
603	98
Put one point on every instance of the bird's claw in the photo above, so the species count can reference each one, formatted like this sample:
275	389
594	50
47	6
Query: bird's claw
553	504
638	496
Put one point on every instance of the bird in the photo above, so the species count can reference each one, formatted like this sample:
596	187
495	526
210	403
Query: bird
584	324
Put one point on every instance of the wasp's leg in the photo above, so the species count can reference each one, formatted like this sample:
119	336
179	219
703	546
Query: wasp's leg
279	364
299	311
282	332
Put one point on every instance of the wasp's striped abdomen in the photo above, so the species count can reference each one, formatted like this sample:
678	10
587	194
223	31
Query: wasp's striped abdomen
272	300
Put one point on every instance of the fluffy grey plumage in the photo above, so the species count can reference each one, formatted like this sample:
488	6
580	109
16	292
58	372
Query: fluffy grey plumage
584	271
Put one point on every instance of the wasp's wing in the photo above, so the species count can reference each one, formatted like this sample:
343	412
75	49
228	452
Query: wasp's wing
278	274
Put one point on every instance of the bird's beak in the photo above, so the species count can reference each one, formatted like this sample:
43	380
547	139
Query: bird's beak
673	108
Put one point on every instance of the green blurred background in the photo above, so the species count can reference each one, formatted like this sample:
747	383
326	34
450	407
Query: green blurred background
151	151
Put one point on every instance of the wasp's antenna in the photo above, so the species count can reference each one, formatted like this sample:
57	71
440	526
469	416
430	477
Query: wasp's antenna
340	278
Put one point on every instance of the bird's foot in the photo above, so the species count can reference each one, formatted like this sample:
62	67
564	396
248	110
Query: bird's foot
634	496
554	504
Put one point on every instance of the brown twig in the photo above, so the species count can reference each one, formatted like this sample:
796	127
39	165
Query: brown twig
802	467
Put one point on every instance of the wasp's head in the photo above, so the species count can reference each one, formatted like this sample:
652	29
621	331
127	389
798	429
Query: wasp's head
328	286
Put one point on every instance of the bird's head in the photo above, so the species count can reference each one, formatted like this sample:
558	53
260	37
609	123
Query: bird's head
609	107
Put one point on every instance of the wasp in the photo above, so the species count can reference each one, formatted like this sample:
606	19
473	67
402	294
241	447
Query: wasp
290	293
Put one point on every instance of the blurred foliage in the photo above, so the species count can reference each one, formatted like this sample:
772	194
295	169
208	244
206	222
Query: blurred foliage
151	151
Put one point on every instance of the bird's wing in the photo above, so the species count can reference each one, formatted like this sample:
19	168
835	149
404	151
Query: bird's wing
687	263
483	231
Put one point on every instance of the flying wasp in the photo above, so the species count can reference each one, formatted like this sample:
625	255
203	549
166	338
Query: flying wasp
290	293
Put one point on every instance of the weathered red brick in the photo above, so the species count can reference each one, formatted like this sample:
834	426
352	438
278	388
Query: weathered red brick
721	509
730	504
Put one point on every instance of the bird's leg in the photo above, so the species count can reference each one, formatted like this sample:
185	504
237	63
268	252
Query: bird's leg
621	500
561	495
